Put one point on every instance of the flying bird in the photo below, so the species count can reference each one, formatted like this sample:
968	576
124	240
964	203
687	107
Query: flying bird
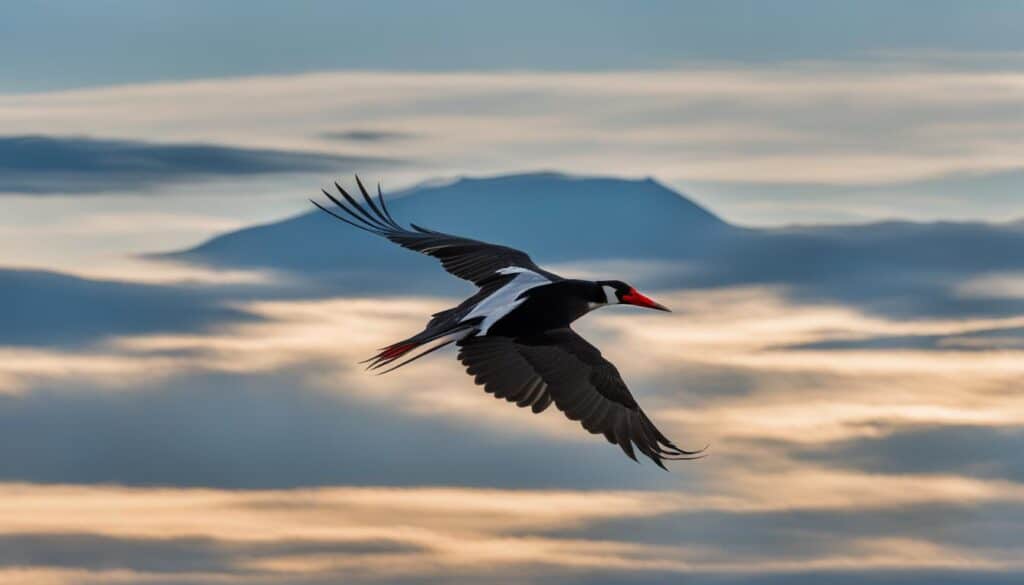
514	335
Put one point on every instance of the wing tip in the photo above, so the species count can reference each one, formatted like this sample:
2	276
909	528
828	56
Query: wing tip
373	216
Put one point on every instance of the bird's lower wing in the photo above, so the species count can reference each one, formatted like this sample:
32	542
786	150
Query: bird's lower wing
561	367
496	364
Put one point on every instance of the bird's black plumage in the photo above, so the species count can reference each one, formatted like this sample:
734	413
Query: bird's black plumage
472	260
514	334
561	367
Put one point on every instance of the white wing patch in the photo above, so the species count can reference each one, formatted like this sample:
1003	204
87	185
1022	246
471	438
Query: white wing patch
506	298
515	270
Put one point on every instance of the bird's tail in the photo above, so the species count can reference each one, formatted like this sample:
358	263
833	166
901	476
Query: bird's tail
430	341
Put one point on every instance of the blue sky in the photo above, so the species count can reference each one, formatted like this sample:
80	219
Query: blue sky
66	44
827	194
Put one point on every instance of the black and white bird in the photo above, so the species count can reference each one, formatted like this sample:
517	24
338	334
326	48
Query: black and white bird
514	334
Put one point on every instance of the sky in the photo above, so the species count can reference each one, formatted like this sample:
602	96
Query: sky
827	194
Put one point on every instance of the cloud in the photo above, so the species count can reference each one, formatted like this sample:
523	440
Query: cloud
180	554
853	576
720	369
362	533
419	475
916	536
366	135
466	535
994	286
840	141
975	450
970	340
892	268
955	196
46	309
60	165
771	393
274	430
838	124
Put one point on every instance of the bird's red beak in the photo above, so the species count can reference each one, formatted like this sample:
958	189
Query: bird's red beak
635	298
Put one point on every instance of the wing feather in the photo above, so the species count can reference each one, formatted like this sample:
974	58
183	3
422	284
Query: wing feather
465	258
560	367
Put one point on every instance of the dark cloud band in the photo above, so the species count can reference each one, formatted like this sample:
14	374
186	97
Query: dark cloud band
57	310
67	165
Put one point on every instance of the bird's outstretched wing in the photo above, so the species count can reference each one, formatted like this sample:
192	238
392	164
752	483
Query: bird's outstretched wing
472	260
560	366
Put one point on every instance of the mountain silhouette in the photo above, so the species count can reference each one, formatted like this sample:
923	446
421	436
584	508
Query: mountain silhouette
556	217
893	267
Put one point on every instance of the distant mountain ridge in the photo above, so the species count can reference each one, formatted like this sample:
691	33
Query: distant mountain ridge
556	218
892	267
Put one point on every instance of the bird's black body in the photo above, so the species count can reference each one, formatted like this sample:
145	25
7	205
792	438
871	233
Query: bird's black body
514	334
550	306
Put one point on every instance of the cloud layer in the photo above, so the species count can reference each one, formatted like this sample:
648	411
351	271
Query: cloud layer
59	165
841	125
857	385
816	467
48	309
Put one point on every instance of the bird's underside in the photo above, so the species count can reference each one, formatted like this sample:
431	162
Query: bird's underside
514	334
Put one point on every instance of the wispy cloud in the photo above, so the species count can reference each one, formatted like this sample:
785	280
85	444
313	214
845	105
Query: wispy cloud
722	370
839	141
366	135
52	310
806	473
454	534
837	123
76	165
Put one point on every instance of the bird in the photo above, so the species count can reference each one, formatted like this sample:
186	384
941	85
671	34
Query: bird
514	335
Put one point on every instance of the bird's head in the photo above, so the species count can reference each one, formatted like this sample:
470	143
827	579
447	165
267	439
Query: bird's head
615	292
